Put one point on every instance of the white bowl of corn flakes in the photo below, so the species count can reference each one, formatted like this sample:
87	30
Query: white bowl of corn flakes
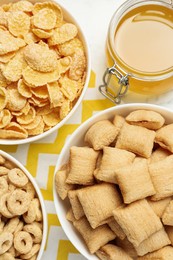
44	69
23	218
113	184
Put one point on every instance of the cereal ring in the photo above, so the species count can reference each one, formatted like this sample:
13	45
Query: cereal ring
11	225
33	251
38	224
7	256
34	257
1	226
6	240
23	242
11	187
19	227
2	160
18	202
3	170
35	231
9	165
39	216
30	215
17	177
12	251
29	189
3	206
3	186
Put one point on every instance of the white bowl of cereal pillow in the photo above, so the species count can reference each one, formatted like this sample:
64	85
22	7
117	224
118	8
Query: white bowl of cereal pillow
44	69
23	218
113	184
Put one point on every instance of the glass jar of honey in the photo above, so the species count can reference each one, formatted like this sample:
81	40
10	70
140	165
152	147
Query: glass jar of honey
139	50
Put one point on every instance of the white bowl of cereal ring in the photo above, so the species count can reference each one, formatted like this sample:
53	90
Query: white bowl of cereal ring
23	218
44	69
113	184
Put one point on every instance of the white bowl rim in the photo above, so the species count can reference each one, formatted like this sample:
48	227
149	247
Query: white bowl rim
77	132
61	123
40	197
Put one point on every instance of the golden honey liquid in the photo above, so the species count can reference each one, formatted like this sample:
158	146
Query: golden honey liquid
143	43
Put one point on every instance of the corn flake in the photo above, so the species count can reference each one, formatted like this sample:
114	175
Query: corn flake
40	92
15	101
65	109
70	47
28	118
4	18
5	118
36	78
33	124
52	118
64	64
40	58
78	66
26	108
6	7
44	110
50	5
23	89
70	88
63	34
24	6
3	81
55	95
18	23
30	37
45	19
7	57
12	71
9	43
13	131
3	98
39	129
42	34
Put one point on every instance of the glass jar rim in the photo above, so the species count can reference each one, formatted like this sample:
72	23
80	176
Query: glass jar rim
116	18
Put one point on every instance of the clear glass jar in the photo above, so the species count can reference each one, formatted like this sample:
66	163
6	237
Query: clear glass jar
121	76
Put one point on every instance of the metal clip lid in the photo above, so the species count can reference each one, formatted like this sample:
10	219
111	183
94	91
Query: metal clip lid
123	82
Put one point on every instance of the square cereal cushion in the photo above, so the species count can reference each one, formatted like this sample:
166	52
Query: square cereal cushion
136	139
112	252
82	165
138	221
162	177
164	137
101	134
98	202
94	238
113	158
146	118
135	182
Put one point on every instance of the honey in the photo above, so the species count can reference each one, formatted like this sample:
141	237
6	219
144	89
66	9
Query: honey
140	46
144	39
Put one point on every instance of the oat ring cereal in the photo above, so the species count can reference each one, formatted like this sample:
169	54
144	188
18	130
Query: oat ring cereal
23	242
29	189
32	252
3	206
18	202
12	225
35	231
3	185
17	177
30	215
6	240
7	256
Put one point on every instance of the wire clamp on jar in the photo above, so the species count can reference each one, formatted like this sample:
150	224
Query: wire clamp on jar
123	83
